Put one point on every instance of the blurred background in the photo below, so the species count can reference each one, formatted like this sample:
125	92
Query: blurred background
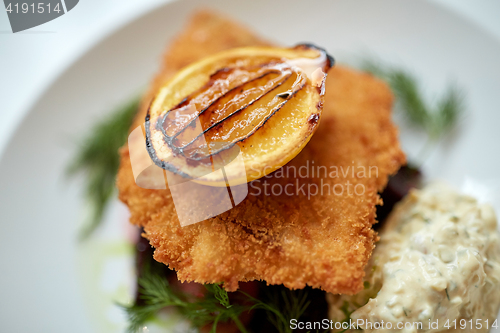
32	59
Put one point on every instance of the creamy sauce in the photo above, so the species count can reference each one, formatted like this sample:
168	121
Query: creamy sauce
437	260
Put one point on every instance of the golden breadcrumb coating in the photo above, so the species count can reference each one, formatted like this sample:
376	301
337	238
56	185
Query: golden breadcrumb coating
323	241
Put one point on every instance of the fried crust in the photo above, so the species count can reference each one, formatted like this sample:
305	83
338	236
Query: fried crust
323	241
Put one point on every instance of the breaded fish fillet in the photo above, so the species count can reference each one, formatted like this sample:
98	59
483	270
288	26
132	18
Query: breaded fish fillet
323	241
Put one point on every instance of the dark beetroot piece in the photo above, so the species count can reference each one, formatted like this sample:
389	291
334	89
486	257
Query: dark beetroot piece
399	185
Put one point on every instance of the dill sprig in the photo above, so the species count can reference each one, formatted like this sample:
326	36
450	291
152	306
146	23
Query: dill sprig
157	294
97	159
282	307
436	119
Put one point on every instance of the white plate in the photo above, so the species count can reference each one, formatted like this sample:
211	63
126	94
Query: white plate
50	283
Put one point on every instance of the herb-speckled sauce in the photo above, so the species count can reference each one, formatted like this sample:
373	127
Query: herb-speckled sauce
437	261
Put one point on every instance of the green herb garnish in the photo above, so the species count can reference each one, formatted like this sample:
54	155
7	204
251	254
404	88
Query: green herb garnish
283	307
155	294
437	119
98	160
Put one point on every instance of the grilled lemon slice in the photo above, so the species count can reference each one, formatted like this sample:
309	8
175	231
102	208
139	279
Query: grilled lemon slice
258	106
